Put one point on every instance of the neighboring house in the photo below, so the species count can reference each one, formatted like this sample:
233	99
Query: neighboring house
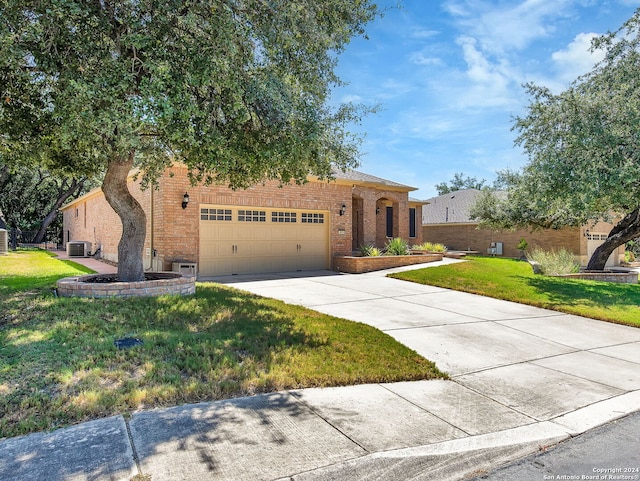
265	228
445	219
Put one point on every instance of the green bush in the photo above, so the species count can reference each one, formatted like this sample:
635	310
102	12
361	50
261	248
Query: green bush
397	247
554	262
431	247
370	251
629	256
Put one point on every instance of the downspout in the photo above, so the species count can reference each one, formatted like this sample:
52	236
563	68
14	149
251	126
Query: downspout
150	268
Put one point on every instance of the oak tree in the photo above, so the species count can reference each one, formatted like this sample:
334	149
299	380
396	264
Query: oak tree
583	147
237	90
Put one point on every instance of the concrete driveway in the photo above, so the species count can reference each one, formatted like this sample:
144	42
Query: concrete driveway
519	363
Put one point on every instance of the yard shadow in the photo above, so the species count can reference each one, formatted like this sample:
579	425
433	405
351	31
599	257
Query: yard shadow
587	293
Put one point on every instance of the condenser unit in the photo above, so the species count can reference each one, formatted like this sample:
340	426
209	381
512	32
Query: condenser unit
78	248
188	268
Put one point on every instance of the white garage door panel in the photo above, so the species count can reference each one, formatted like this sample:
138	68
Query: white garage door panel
242	240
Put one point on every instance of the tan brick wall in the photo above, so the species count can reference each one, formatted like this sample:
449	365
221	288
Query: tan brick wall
92	219
469	237
173	232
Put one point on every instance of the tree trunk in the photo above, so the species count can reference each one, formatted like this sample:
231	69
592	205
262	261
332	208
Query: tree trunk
132	216
75	186
624	231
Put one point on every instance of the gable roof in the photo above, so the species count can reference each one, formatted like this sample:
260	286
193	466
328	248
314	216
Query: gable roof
349	176
451	208
362	178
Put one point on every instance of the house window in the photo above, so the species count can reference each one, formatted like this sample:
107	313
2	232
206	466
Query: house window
311	218
390	221
215	214
252	216
412	222
286	217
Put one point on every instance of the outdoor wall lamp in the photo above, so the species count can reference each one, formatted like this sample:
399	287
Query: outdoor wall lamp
185	200
377	210
343	209
586	233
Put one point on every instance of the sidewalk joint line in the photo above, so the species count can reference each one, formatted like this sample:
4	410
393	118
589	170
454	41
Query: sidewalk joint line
136	458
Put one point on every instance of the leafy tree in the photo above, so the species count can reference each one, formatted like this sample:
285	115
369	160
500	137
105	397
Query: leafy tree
236	90
584	151
460	182
32	197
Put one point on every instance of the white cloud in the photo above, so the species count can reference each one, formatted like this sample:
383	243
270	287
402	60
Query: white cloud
501	27
576	59
490	82
423	33
423	58
414	124
351	98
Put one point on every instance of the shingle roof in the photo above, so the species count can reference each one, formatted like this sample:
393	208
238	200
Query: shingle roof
357	176
450	208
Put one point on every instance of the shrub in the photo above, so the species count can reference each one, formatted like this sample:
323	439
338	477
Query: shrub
431	247
629	256
370	251
522	245
397	247
554	262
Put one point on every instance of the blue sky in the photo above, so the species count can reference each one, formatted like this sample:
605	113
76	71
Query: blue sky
448	76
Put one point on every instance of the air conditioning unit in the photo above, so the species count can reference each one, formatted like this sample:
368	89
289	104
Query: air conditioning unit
78	248
189	268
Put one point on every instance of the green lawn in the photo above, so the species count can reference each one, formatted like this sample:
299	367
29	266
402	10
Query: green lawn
59	365
514	280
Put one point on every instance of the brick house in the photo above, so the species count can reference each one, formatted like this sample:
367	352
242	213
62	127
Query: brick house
445	219
265	228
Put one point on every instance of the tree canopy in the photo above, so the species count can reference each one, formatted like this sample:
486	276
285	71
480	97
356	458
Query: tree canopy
237	90
31	199
583	147
460	182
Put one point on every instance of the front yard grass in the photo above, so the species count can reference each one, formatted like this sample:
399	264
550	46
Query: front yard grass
514	280
59	364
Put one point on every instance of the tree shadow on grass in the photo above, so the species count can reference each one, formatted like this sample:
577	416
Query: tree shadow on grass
570	292
210	346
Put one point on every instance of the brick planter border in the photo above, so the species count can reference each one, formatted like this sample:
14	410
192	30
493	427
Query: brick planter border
170	283
619	277
359	265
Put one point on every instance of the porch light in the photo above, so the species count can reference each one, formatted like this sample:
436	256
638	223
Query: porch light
185	200
343	209
377	210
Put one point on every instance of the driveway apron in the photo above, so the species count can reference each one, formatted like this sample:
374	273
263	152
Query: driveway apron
538	364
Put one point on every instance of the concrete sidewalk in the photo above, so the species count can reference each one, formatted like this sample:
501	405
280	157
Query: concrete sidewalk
522	378
96	264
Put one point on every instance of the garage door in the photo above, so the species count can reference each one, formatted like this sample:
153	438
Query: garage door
246	240
595	240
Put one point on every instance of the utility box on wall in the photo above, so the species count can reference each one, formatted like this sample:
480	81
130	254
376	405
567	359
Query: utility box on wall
188	268
495	249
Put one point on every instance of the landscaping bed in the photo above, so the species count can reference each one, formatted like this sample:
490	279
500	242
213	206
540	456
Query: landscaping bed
604	276
106	285
361	264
